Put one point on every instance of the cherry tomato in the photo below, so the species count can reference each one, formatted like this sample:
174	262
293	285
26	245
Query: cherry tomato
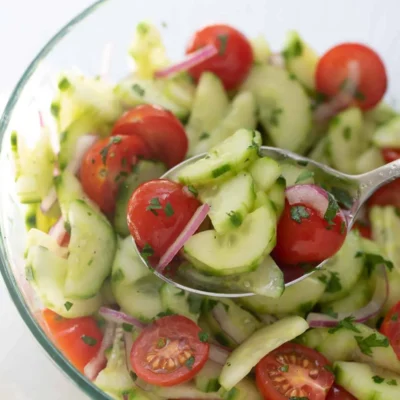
169	351
303	236
387	195
159	128
338	393
391	328
79	339
64	242
294	370
234	59
158	211
390	155
363	228
105	166
332	72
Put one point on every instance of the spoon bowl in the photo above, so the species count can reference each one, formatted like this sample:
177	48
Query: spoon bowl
351	191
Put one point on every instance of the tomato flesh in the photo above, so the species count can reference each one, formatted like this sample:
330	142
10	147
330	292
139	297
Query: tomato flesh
157	213
390	155
391	328
294	370
169	351
309	239
79	339
159	129
234	59
332	72
364	229
338	393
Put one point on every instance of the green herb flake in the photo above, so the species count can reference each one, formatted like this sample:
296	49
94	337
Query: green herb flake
223	42
165	313
394	317
302	163
90	341
221	170
64	84
100	322
346	323
329	368
189	362
392	382
342	227
29	275
204	136
235	218
347	133
335	121
127	327
117	276
147	251
68	305
209	304
331	313
154	205
295	49
373	340
104	151
274	117
203	337
55	109
161	342
378	379
304	176
371	260
193	190
133	375
359	95
169	211
334	284
298	213
284	368
138	90
332	210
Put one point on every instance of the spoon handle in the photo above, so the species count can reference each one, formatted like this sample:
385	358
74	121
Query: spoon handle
373	180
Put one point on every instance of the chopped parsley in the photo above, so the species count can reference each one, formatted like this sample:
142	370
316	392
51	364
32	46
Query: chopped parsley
204	136
359	95
297	213
235	218
329	311
138	90
189	362
203	337
64	84
90	341
394	317
371	260
342	196
328	368
210	304
347	133
161	342
127	327
274	117
147	251
154	205
346	323
284	368
373	340
180	293
378	379
334	284
223	41
29	276
169	211
165	313
304	176
392	382
68	305
294	50
332	209
105	149
193	190
55	109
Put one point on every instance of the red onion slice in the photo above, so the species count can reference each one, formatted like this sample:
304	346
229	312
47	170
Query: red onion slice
195	58
48	201
310	195
96	364
119	317
371	310
128	340
198	217
83	144
57	231
218	354
277	60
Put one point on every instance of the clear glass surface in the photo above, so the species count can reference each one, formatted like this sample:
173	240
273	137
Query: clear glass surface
81	44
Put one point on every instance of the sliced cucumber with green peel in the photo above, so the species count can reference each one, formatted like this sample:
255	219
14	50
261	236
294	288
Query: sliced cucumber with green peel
265	171
224	160
381	113
388	135
367	382
369	160
284	108
258	345
183	391
261	49
277	195
229	202
36	237
301	60
296	175
313	337
207	379
237	251
144	171
91	251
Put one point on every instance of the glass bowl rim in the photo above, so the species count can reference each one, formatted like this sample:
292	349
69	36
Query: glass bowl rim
83	383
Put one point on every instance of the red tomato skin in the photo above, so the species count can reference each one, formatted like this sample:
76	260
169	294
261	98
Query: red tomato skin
159	231
175	329
365	230
67	335
390	155
332	70
160	129
391	328
338	393
312	240
232	64
387	195
322	384
104	166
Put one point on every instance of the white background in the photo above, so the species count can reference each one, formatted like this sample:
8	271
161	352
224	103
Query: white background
26	373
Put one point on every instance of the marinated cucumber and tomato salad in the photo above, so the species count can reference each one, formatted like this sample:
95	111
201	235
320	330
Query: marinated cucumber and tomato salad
234	218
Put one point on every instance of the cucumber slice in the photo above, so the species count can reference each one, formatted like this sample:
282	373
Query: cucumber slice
301	60
47	271
145	171
369	160
180	89
294	175
207	379
381	113
265	171
259	344
244	390
345	136
313	337
277	196
91	251
299	298
261	49
223	160
320	152
183	391
388	134
340	279
394	291
30	211
107	294
230	202
284	108
241	114
36	237
210	105
238	251
366	382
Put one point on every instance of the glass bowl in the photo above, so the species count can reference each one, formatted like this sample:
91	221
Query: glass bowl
81	43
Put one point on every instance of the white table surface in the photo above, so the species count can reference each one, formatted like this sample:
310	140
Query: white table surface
26	373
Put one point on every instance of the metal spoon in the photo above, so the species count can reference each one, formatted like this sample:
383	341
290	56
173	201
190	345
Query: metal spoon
357	188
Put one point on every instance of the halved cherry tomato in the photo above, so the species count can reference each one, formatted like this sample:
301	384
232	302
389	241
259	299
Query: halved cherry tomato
338	393
294	371
234	59
332	72
303	236
390	155
105	166
157	213
159	128
169	351
79	339
363	228
387	195
64	242
391	328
